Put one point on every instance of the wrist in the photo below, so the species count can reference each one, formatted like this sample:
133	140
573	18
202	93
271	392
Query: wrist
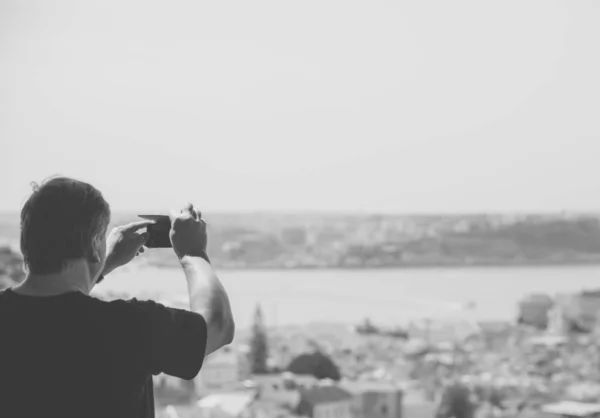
188	259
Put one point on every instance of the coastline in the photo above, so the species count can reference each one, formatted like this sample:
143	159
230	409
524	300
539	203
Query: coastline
409	266
345	296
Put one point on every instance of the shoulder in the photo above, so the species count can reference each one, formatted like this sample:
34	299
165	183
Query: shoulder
149	313
131	306
127	318
149	308
121	308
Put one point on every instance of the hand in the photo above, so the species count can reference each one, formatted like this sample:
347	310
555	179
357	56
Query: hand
188	232
124	243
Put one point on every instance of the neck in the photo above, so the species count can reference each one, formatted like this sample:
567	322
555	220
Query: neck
75	277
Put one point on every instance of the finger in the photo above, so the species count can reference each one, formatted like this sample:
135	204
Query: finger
198	214
188	209
134	226
174	214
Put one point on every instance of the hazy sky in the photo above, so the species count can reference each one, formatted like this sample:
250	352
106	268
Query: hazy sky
410	106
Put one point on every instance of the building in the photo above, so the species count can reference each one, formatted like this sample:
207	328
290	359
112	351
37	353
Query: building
283	389
221	369
572	409
416	405
177	411
325	401
302	394
375	400
294	236
534	310
268	409
226	405
580	311
557	320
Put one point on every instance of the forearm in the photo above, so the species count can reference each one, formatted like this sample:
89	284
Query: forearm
207	295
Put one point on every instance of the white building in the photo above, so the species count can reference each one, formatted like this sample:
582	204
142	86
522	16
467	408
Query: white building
326	401
375	399
225	367
225	405
283	389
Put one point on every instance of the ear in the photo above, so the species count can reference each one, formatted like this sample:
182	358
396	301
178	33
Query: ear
95	253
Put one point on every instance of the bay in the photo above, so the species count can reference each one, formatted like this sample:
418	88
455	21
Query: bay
299	297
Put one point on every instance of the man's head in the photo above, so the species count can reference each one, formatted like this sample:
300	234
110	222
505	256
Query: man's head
64	220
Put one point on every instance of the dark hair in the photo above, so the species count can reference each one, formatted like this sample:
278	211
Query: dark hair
59	222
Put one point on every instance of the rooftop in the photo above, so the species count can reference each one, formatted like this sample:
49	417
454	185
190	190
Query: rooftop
232	403
578	409
369	386
280	378
324	394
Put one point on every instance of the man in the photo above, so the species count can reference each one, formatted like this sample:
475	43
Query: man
66	354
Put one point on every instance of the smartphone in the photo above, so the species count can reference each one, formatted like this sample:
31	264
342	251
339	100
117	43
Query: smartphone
159	231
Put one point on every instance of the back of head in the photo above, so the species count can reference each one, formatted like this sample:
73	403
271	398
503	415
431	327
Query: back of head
64	219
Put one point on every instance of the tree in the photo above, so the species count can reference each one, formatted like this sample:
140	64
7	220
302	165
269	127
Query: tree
259	349
11	267
316	364
456	402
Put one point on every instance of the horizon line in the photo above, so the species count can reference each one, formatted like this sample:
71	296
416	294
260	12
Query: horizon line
358	212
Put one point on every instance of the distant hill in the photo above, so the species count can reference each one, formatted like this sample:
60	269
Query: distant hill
264	240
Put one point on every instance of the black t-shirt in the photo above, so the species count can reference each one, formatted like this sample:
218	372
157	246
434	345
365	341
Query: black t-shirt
73	355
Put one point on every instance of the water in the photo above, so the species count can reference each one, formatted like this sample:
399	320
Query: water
348	296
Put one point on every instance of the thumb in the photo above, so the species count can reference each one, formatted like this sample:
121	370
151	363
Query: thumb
144	237
174	214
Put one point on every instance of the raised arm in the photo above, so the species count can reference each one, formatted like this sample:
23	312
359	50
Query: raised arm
207	294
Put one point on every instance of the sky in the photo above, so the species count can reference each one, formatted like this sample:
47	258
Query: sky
378	106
